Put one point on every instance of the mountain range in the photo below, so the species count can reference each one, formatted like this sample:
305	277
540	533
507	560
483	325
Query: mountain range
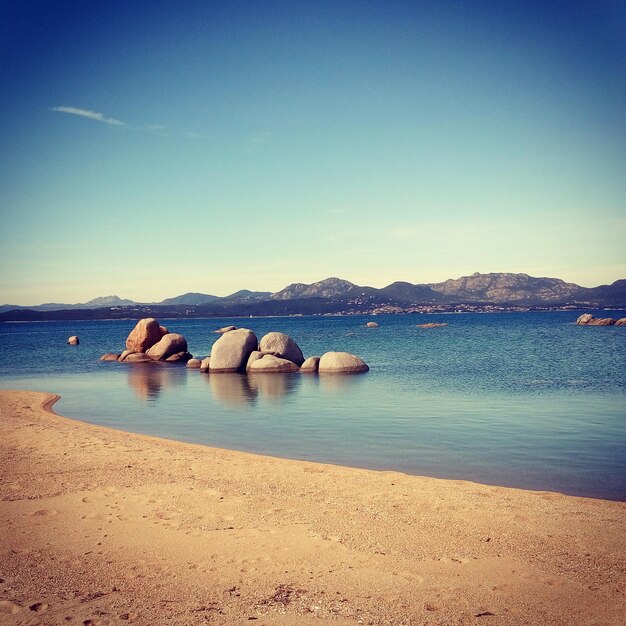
335	295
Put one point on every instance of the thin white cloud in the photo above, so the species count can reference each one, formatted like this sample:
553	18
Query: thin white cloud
92	115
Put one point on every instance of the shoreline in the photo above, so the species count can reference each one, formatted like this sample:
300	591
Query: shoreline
117	527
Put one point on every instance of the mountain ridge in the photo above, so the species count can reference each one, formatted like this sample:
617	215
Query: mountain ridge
336	294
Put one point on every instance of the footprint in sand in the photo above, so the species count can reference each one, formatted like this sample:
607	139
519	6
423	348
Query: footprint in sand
41	512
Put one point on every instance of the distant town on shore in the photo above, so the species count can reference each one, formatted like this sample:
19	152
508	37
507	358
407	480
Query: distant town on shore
334	296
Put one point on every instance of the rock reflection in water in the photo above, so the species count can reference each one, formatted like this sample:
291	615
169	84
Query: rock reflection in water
149	379
273	386
231	389
340	383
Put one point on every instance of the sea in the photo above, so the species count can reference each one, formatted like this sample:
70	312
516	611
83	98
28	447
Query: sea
526	400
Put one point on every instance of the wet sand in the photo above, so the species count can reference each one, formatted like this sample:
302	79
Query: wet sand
101	527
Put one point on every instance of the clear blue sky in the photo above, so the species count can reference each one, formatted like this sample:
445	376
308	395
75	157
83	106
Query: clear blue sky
154	148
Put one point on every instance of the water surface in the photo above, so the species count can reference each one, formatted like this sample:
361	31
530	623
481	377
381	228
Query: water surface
527	400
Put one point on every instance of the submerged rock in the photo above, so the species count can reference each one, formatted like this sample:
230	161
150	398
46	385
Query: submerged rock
124	354
178	357
601	321
73	340
110	356
372	325
432	325
230	353
225	329
137	357
341	363
585	318
283	346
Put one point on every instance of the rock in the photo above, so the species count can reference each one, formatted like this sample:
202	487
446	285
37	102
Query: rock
341	363
194	363
585	318
73	340
124	355
310	365
179	356
230	353
168	345
110	356
137	357
372	325
432	325
269	363
163	330
621	321
283	346
9	608
254	356
146	333
600	321
225	329
204	364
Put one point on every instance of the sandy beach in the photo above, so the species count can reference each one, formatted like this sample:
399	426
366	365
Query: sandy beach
102	527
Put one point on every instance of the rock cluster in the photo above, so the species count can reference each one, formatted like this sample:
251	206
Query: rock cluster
432	325
239	350
149	341
236	350
586	319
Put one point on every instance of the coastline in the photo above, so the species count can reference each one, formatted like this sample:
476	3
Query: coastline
101	526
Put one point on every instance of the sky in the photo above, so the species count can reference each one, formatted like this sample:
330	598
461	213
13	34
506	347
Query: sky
155	148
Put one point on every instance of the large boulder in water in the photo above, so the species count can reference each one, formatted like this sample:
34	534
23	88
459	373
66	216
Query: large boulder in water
311	365
283	346
341	363
194	363
73	340
271	364
110	356
168	345
230	353
372	325
621	321
146	333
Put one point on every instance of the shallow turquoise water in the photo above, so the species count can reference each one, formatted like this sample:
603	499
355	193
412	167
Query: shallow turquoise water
527	400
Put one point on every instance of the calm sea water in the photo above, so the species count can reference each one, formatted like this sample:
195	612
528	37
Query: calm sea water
527	400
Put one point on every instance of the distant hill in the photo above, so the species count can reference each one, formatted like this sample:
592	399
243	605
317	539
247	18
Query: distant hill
327	288
504	287
245	295
189	298
96	303
494	291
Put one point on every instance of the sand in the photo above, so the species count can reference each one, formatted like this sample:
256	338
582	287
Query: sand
100	527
